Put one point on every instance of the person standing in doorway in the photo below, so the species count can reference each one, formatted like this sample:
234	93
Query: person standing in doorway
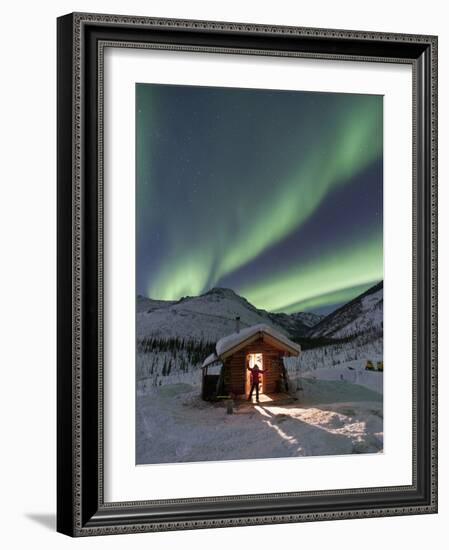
256	372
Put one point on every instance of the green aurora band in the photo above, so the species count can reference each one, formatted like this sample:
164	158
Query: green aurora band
228	238
326	280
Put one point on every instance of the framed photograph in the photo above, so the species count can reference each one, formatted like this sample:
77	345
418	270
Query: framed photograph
247	284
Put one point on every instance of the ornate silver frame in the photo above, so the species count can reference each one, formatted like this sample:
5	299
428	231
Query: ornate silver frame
81	42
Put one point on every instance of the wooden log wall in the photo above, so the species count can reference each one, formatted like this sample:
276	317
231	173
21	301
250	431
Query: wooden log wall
234	374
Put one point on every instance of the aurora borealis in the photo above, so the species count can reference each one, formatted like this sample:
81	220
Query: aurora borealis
275	194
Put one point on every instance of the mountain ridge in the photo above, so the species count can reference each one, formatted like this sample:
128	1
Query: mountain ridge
212	315
362	313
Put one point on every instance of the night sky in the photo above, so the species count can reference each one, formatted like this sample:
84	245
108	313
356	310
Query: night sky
275	194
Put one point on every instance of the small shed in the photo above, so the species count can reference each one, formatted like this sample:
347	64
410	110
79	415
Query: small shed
225	371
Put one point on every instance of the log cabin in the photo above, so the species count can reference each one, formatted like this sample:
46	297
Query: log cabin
225	372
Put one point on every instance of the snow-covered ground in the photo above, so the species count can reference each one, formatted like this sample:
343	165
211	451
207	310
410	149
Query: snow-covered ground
353	372
338	410
338	407
330	417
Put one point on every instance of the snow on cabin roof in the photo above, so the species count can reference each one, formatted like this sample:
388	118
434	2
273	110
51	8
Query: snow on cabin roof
232	340
228	342
209	360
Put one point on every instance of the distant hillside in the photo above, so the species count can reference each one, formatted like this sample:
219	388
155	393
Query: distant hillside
211	316
297	325
363	313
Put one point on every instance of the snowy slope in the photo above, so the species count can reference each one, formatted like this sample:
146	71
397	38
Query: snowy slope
308	318
363	314
207	317
147	305
296	324
211	316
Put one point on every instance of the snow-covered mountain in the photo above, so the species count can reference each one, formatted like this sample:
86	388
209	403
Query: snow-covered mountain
211	316
296	324
146	305
362	314
307	318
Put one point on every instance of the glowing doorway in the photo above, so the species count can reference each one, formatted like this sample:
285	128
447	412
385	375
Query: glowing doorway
253	359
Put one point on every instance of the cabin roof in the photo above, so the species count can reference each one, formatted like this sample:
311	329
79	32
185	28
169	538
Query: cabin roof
212	358
229	344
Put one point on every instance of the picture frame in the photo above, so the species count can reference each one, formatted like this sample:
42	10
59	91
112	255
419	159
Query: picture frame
81	506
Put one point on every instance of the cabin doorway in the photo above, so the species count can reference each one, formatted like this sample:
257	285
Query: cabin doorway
251	360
